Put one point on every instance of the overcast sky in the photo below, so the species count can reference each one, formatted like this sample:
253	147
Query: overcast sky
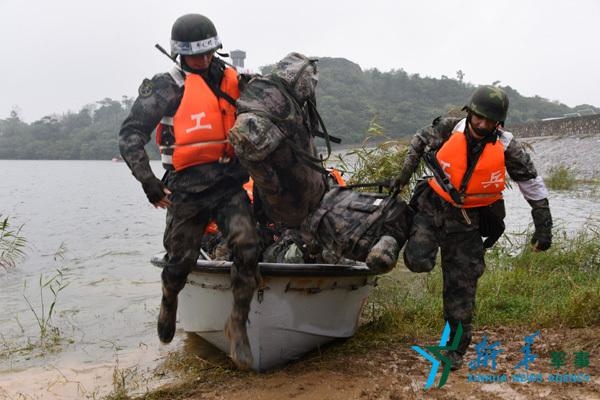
60	55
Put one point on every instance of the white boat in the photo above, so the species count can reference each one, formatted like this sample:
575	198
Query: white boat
298	308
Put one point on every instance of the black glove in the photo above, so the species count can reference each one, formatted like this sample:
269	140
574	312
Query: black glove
154	189
542	219
396	185
488	243
491	222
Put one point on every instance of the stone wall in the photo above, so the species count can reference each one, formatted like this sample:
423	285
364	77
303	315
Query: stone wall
574	126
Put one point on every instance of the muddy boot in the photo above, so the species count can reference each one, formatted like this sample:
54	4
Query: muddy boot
243	283
167	315
239	346
383	256
456	360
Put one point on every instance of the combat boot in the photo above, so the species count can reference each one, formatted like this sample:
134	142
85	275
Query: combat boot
383	256
239	345
168	315
456	360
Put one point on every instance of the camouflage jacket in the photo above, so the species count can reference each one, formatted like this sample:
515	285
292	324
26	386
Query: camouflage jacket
158	97
518	162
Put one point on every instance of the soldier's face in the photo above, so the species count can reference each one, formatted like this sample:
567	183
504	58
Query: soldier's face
480	126
200	61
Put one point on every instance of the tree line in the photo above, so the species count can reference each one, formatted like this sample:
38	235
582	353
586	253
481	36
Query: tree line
348	98
88	134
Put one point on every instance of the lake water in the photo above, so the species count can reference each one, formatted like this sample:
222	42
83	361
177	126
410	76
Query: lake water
98	215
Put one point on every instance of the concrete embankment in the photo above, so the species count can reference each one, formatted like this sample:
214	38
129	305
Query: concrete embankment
580	153
572	142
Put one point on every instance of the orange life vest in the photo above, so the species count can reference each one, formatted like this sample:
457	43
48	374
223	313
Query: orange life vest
487	181
336	176
200	125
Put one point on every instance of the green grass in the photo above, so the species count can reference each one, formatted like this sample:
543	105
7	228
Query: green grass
561	178
559	287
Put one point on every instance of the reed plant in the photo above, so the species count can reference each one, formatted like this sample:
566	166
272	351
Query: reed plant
561	177
12	243
49	289
379	159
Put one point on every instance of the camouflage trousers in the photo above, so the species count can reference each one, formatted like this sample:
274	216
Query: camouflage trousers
439	225
187	218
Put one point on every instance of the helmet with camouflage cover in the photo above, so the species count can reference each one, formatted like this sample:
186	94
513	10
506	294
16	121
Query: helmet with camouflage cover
194	34
490	102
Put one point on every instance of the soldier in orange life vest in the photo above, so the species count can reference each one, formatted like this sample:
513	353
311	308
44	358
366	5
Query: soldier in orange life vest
464	201
192	108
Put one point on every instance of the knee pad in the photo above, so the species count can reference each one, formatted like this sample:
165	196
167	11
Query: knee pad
417	263
246	257
384	255
174	274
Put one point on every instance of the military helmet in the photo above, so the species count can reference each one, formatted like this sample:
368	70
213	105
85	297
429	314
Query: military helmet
490	102
193	34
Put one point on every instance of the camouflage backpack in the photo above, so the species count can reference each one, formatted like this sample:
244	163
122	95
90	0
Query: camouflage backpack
361	226
273	138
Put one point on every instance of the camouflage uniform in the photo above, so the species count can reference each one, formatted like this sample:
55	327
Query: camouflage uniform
456	231
199	193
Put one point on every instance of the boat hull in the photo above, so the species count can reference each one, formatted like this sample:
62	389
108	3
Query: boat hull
297	308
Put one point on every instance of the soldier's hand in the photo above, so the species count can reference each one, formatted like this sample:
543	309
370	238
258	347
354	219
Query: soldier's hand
156	192
396	185
488	243
541	240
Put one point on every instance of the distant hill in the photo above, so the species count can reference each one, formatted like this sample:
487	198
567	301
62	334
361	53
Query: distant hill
347	97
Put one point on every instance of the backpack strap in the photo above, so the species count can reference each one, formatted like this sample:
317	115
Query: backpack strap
371	219
178	76
307	158
316	218
219	93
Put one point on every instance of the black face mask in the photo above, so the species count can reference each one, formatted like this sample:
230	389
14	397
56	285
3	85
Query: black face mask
186	67
483	132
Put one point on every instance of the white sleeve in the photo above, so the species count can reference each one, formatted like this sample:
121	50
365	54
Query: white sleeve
533	189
